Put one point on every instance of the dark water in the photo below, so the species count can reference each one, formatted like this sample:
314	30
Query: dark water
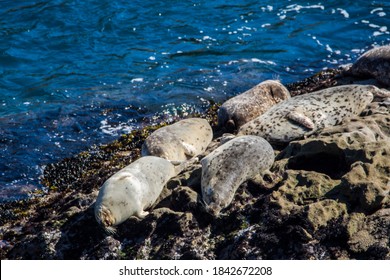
78	73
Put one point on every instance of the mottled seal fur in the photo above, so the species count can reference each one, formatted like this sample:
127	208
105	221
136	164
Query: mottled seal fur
132	190
231	164
243	108
179	141
374	63
306	114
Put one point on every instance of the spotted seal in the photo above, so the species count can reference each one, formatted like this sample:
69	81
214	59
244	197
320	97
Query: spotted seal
306	114
132	190
231	164
374	63
243	108
179	141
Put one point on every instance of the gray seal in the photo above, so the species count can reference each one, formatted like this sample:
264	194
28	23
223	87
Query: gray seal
374	63
231	164
180	141
303	115
132	190
243	108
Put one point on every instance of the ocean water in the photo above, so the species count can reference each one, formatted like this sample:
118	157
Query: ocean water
79	73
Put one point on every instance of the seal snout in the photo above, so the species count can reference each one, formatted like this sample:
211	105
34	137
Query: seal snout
213	209
211	202
105	218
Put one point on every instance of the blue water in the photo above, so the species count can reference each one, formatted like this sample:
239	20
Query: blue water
78	73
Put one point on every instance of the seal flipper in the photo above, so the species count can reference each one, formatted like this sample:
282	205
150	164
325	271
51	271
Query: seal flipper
301	119
142	214
380	92
190	150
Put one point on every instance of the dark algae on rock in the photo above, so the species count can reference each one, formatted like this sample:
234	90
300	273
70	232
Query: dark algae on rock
327	197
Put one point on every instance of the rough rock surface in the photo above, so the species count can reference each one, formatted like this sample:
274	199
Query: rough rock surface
328	198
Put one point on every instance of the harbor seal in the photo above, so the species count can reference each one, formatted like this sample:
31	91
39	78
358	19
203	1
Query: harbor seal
303	115
231	164
374	63
179	141
243	108
132	190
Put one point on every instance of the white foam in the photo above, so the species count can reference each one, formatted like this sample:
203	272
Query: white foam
106	128
357	50
343	12
256	60
373	25
328	48
137	80
376	10
297	8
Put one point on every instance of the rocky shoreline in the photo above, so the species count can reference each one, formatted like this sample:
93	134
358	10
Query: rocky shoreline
327	198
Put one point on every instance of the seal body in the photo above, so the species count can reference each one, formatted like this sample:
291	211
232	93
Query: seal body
179	141
231	164
374	63
306	114
132	190
243	108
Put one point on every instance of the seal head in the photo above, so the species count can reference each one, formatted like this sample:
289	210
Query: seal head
243	108
180	141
